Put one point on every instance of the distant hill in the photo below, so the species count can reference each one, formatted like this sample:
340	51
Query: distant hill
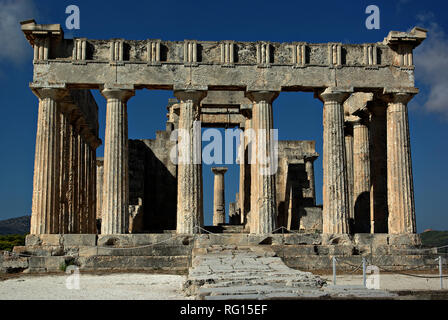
434	238
19	225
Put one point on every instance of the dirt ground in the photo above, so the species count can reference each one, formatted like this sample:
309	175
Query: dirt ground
137	286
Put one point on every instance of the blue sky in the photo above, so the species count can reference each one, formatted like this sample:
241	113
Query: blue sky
297	115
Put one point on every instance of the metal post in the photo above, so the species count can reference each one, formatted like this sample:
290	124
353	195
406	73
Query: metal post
334	270
440	272
364	278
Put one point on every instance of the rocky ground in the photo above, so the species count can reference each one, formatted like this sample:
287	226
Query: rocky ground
93	287
134	286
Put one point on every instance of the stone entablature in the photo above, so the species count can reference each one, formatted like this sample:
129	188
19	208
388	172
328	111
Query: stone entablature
171	64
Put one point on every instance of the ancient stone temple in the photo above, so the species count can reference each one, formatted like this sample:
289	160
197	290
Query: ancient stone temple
364	90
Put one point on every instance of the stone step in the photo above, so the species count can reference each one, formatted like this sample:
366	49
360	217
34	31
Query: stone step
225	228
124	263
149	250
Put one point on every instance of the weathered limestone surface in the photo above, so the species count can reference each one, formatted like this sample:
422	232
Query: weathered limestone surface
400	189
349	160
263	218
67	137
378	167
361	177
335	191
219	203
255	65
115	214
99	186
45	217
189	191
294	182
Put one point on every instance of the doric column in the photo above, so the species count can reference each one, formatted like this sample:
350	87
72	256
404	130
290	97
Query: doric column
348	131
115	214
99	186
73	187
189	169
335	191
361	176
64	163
400	190
46	191
219	203
378	167
264	215
309	168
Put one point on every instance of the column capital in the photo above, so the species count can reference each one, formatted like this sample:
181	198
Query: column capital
195	96
219	170
56	94
120	93
258	96
334	94
310	157
399	95
356	121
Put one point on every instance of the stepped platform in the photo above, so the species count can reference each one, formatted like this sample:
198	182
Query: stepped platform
170	252
245	272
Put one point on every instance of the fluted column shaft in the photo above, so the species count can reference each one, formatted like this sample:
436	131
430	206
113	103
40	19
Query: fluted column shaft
309	168
45	207
361	173
400	189
350	178
335	190
189	169
115	216
219	202
264	217
378	167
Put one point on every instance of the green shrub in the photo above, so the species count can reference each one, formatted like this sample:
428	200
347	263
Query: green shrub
8	242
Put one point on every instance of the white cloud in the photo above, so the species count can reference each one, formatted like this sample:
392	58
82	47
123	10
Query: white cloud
431	61
14	45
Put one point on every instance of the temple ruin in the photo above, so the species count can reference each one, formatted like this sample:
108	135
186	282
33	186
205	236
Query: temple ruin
136	189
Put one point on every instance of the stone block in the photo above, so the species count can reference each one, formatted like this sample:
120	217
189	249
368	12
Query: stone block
39	250
14	263
44	240
135	240
71	240
133	263
368	239
311	218
341	250
405	239
336	239
49	264
295	250
303	239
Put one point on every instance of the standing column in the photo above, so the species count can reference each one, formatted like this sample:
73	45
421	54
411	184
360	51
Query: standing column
361	182
219	202
348	131
378	167
263	218
45	208
189	169
335	191
309	168
400	190
248	180
115	214
64	161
